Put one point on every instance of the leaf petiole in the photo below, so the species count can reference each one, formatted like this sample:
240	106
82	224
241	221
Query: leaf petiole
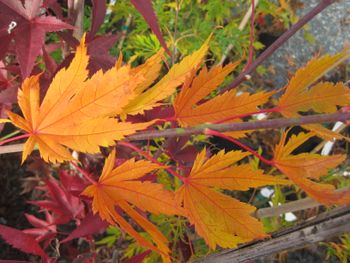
15	138
221	135
150	158
9	135
84	173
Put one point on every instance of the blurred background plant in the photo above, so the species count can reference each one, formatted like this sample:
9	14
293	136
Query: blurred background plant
187	23
338	251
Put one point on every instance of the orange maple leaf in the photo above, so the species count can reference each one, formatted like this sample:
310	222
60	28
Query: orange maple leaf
304	168
120	187
301	96
189	111
168	84
76	113
218	218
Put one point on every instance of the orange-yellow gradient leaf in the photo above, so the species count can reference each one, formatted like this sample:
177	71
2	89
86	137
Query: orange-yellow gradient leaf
189	111
76	112
218	218
150	70
305	169
201	86
168	84
324	97
120	187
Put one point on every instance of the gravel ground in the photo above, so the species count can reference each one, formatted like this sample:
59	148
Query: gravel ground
331	31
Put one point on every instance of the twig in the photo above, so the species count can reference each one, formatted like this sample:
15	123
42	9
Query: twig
13	148
251	37
298	205
241	26
279	42
124	32
77	11
237	126
242	126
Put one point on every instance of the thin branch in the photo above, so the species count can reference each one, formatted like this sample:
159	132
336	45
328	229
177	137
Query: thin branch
242	126
251	37
298	205
241	26
78	12
13	148
237	126
279	42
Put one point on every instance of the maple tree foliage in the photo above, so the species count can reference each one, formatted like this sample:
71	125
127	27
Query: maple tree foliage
119	187
303	168
324	97
79	113
219	219
85	109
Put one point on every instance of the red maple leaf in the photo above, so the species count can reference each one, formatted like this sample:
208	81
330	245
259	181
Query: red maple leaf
27	26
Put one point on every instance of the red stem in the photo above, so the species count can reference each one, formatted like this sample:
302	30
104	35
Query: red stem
150	158
15	138
173	118
84	173
221	135
275	109
251	37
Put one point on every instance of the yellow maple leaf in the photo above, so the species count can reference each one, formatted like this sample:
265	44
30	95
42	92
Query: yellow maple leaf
150	70
76	112
305	169
218	218
324	97
120	187
168	84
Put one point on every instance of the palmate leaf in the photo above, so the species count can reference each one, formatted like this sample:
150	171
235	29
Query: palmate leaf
22	241
218	218
324	97
29	32
120	187
305	169
168	84
189	111
77	113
